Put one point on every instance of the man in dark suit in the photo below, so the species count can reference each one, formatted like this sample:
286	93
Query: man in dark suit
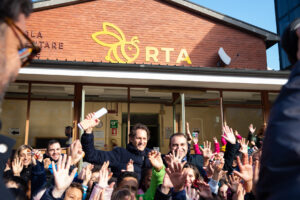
280	162
13	55
119	157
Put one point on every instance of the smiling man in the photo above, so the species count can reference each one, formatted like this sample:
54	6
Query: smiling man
53	150
119	157
179	144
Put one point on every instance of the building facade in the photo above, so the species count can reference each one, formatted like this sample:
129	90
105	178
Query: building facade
286	12
158	62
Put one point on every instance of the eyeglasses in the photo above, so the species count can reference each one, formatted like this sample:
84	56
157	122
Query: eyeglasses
26	52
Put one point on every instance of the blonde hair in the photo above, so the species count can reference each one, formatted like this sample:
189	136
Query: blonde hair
21	148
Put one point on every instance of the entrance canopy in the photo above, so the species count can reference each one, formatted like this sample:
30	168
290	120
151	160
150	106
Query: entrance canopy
153	75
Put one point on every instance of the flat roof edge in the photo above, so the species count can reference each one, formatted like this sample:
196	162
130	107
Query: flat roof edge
48	4
158	68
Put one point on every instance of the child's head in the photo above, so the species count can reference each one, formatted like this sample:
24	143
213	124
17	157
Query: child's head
223	188
146	179
128	180
95	176
74	192
192	173
122	194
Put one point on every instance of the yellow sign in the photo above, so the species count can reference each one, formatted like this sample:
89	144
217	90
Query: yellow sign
129	49
125	46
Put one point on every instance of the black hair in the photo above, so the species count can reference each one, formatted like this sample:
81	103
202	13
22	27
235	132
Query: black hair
52	142
18	194
195	169
222	182
76	185
96	168
21	183
126	174
139	126
120	193
289	41
145	171
177	135
13	8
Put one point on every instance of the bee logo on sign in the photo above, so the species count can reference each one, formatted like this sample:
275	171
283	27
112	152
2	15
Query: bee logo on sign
123	51
129	49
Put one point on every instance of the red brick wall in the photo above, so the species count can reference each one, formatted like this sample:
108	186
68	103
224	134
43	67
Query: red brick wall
155	23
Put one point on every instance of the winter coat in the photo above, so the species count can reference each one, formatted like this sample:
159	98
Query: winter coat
118	157
280	162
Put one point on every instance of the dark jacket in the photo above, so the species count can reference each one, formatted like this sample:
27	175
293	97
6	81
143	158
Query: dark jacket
38	178
48	195
229	155
25	173
194	159
118	157
181	195
6	145
280	163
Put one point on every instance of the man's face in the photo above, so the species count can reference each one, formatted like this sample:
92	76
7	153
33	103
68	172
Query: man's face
140	139
179	144
11	64
73	193
54	151
130	183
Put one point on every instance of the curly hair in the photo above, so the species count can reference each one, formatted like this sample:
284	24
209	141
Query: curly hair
139	126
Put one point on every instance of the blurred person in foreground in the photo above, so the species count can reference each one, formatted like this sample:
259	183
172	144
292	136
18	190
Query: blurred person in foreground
280	163
16	50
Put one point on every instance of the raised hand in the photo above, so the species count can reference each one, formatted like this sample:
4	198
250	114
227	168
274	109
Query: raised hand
156	160
99	195
215	140
37	156
228	134
246	171
191	193
47	162
166	185
188	132
244	146
204	190
129	166
234	182
217	166
7	167
104	175
76	152
251	129
174	157
206	150
17	166
62	178
195	140
239	195
177	175
207	153
86	174
90	123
